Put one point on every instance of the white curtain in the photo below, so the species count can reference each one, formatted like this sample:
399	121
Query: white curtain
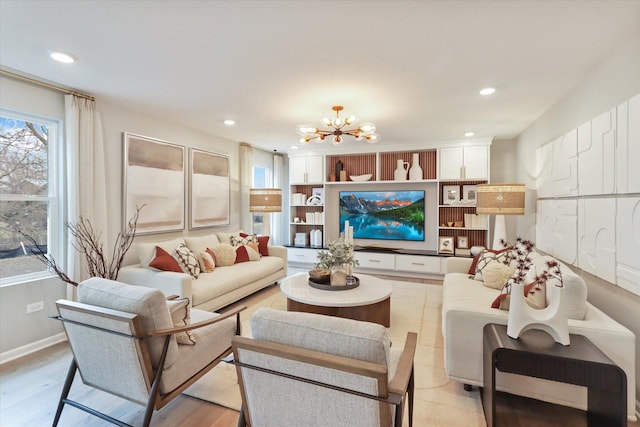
246	179
278	182
85	176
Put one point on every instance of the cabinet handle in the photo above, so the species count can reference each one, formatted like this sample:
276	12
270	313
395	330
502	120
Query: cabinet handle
374	260
300	255
417	263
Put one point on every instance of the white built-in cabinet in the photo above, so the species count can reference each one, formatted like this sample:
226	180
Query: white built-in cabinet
464	162
306	170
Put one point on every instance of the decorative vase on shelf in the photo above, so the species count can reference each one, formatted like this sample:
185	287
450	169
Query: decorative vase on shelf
415	173
400	174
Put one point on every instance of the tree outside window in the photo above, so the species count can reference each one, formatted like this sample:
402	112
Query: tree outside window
25	196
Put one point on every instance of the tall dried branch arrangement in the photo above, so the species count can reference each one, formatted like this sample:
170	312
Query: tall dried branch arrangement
88	242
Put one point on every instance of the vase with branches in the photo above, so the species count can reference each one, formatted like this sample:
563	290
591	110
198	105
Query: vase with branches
88	242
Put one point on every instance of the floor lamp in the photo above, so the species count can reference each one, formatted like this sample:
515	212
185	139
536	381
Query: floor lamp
500	200
265	200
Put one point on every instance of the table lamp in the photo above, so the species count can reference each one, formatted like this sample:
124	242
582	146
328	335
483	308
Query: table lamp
500	200
265	200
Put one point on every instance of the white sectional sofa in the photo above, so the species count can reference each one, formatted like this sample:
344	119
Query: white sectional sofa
466	309
210	291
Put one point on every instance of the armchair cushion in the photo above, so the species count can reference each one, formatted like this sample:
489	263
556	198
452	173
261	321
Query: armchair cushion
343	337
148	303
181	316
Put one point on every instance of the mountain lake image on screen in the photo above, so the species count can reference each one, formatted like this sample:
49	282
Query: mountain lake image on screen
384	215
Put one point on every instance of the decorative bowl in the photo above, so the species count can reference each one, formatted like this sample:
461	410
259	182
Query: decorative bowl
320	276
365	177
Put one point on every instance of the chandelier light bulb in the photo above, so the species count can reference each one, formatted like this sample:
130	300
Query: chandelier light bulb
337	140
373	138
367	127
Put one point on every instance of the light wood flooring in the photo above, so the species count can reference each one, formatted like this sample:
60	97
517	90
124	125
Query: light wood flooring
30	388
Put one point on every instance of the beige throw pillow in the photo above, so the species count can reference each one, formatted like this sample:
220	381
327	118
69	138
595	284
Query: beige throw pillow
207	264
225	254
495	275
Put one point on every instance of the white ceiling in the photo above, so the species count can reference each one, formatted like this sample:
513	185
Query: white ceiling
412	67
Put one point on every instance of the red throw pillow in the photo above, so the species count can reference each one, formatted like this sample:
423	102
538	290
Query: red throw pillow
241	254
164	261
474	263
263	244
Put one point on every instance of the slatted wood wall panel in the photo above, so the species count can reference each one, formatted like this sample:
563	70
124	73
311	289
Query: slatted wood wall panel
353	164
389	162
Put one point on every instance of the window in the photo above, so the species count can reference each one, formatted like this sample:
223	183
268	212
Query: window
28	193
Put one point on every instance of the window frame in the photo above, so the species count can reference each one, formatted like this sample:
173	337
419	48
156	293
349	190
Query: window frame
55	197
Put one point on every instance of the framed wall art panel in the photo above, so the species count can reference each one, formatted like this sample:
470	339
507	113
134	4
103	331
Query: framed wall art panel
210	189
154	178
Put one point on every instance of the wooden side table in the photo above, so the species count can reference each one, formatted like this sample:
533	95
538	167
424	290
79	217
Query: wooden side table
536	354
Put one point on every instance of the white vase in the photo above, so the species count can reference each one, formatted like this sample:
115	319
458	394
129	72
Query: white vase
400	174
551	319
415	173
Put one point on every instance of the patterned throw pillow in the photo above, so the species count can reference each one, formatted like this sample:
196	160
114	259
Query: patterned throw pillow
246	253
243	239
207	264
164	261
187	260
225	254
474	263
489	257
181	316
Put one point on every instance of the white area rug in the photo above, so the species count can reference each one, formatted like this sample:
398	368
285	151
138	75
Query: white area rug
415	307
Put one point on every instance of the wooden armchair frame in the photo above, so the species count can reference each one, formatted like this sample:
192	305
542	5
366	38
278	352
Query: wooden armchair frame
126	326
389	392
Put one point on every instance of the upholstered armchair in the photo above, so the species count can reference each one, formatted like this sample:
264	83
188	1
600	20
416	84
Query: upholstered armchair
131	342
314	370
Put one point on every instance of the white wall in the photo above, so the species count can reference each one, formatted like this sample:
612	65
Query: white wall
610	84
19	331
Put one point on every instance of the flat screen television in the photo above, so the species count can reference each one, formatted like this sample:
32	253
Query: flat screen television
384	215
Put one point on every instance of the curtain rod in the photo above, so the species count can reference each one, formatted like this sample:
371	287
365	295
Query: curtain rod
47	85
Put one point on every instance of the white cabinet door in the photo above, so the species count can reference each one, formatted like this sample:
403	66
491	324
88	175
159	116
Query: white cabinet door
451	162
418	264
375	260
476	162
297	169
464	163
304	170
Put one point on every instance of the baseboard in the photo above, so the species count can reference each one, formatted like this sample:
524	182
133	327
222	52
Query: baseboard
16	353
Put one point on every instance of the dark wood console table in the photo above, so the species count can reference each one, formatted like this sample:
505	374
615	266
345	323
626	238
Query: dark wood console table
536	354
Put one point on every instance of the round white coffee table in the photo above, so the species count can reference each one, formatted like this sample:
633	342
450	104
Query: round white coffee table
369	302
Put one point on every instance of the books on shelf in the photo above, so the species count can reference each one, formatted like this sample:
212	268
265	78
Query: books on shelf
475	221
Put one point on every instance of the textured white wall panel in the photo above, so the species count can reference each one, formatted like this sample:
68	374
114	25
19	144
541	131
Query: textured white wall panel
544	226
596	155
597	237
628	146
565	164
544	181
628	243
565	230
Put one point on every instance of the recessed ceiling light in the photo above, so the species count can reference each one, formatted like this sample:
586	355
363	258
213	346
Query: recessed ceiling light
229	122
469	134
487	91
294	147
63	57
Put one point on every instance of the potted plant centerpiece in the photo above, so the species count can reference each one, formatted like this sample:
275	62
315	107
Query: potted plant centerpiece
338	261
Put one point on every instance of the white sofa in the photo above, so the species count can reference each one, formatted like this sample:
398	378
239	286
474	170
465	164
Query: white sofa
210	291
466	309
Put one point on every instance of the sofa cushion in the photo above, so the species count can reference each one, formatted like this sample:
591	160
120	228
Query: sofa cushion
201	243
534	294
181	316
575	292
147	251
226	237
225	254
165	262
148	303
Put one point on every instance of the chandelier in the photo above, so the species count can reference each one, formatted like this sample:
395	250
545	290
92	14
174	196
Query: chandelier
365	131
